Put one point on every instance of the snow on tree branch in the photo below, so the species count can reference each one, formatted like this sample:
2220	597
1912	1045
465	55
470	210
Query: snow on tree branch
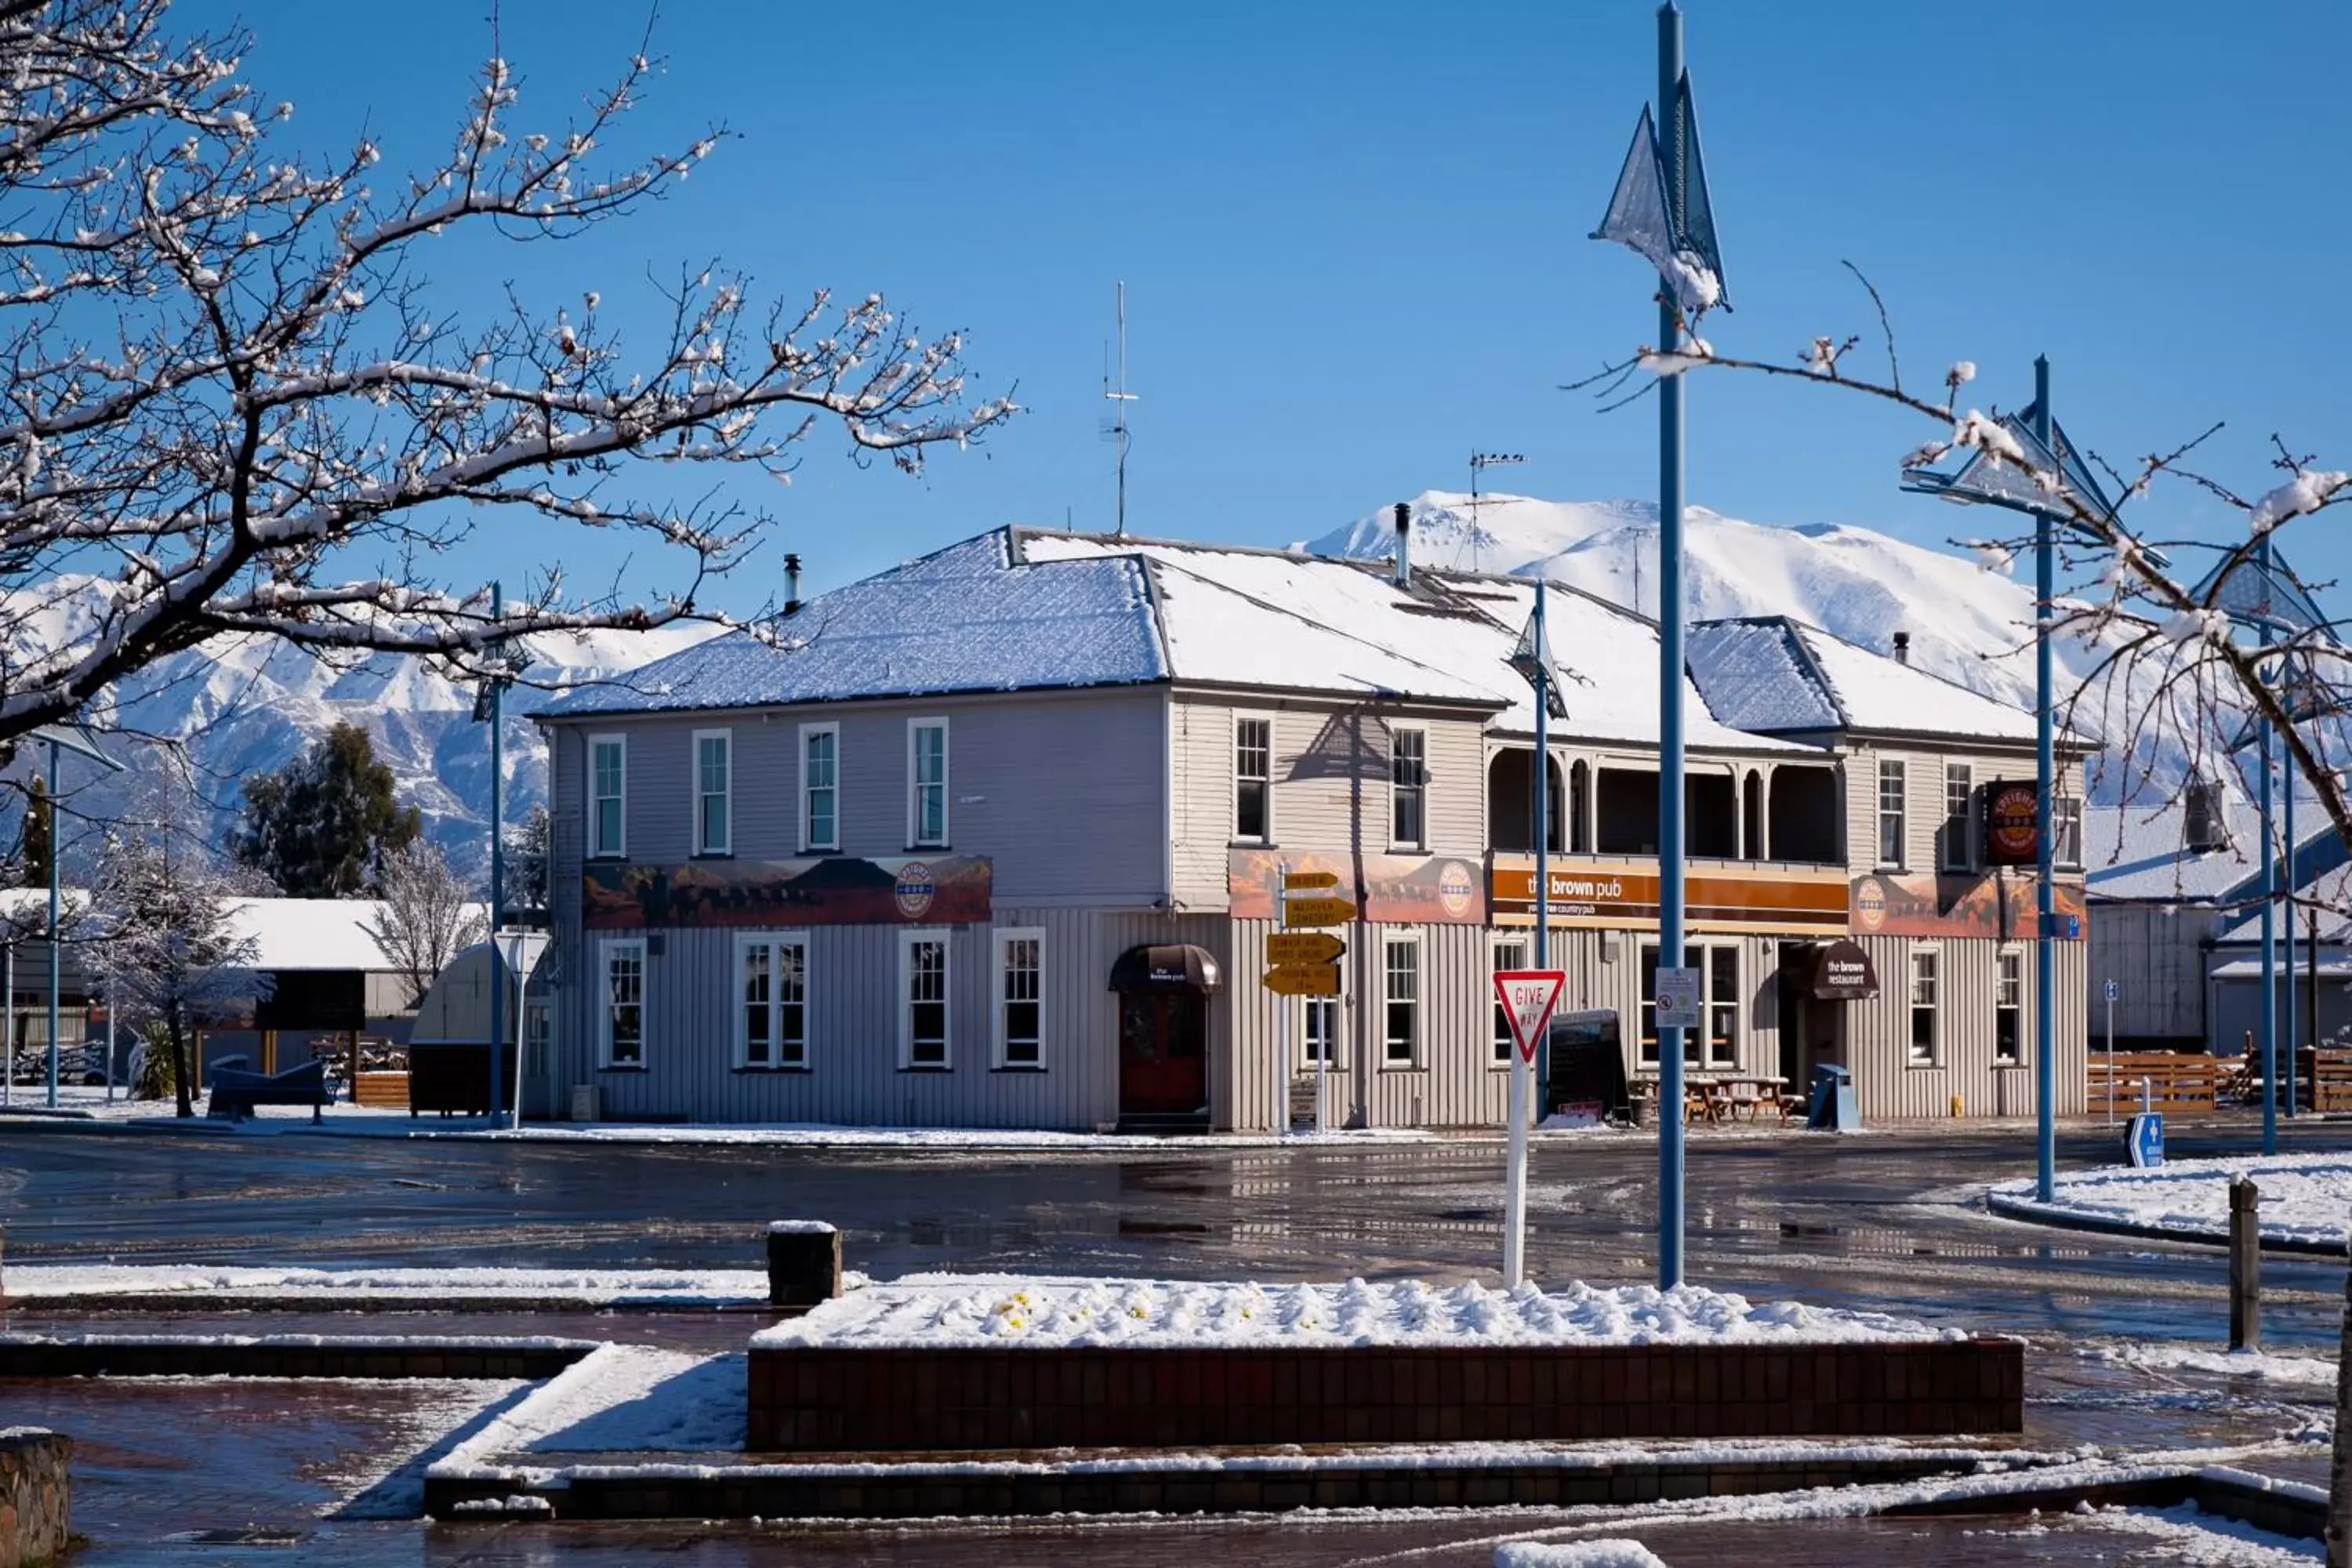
224	384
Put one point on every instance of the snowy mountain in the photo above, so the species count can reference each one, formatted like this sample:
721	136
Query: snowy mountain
243	705
1966	623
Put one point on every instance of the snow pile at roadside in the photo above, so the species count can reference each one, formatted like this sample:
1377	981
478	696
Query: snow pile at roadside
2310	1370
946	1311
616	1399
1580	1554
411	1286
2305	1198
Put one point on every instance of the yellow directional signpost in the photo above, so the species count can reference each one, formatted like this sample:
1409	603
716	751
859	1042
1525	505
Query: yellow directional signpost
1303	980
1303	947
1331	911
1310	878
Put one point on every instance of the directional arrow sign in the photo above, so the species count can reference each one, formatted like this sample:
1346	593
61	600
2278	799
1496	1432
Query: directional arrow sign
1527	997
1311	879
1319	911
1303	947
1303	980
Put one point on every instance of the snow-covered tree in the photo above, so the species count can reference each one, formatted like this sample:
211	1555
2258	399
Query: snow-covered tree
528	845
429	915
227	388
326	824
162	938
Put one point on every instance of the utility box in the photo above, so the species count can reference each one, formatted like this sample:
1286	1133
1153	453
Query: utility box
587	1102
1832	1107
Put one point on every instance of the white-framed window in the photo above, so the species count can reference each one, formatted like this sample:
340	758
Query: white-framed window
1319	1031
923	1026
820	788
537	1036
1717	1045
927	783
621	1019
608	796
772	997
1253	780
1400	1000
1408	788
1926	1015
1020	997
2066	832
2008	1007
1960	792
1509	953
1891	814
714	791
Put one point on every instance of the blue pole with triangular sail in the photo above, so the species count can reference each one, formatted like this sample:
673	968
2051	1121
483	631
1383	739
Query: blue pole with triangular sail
2270	914
2046	768
1670	668
2286	782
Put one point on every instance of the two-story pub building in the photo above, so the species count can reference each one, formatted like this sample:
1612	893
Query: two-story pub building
991	839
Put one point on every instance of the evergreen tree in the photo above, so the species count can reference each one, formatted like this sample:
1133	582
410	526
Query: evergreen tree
528	844
40	836
322	826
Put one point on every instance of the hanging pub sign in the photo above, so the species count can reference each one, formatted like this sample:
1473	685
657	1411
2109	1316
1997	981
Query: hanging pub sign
2013	822
1842	972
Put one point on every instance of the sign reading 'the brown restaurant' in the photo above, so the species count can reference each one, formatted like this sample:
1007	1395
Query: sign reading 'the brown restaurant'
1591	894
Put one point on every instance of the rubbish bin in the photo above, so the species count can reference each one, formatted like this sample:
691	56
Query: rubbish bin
1832	1107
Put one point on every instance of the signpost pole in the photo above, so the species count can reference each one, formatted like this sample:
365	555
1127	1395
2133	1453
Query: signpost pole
1515	1186
2111	1053
1281	1122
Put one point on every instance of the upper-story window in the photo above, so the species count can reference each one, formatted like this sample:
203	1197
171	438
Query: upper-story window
714	791
1959	790
820	787
2066	832
1408	788
608	785
1891	814
1254	779
927	783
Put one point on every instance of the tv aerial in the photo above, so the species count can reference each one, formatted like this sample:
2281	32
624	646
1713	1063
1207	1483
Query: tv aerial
1114	429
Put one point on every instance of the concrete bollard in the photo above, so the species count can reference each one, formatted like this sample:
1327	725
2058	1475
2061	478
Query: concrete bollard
803	1263
2245	1265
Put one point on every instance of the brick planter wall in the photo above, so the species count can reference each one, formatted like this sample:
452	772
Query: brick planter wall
34	1497
816	1399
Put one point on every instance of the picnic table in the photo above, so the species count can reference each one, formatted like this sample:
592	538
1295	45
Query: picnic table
1717	1097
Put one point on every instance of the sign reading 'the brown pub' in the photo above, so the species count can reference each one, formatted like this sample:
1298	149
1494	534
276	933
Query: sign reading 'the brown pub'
1601	894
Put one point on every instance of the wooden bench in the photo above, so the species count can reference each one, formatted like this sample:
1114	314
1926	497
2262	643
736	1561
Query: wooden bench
2324	1079
235	1092
2175	1080
383	1090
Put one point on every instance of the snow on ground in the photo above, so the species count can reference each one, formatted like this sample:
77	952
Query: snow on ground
404	1286
1580	1554
618	1399
2184	1535
2310	1370
945	1310
2307	1198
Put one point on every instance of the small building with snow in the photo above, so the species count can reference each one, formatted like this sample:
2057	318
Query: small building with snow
993	838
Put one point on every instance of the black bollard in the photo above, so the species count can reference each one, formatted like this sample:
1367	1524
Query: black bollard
2245	1265
803	1263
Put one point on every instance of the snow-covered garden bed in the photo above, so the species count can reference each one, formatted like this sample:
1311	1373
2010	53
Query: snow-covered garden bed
96	1282
948	1311
2307	1199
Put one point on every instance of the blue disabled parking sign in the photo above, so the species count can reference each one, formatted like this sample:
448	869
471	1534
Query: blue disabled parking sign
2144	1139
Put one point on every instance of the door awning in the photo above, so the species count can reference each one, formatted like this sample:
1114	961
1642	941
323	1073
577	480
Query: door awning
1171	966
1842	972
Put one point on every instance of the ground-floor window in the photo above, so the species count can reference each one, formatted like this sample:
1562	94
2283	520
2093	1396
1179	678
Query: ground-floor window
621	1030
1400	996
1717	1045
1926	977
1320	1030
772	993
538	1035
2009	1008
923	1006
1510	952
1020	999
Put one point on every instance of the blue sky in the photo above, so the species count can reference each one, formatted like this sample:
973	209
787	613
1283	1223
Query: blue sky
1354	236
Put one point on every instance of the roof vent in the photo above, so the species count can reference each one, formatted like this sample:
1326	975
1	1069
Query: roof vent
2205	827
791	584
1901	647
1401	575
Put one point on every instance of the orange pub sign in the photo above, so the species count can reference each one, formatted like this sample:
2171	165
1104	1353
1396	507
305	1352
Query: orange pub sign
1602	894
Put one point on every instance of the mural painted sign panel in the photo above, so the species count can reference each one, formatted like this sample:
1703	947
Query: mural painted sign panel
946	890
1407	890
1620	895
1920	903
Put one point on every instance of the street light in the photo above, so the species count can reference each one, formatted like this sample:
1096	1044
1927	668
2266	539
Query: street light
504	663
1986	480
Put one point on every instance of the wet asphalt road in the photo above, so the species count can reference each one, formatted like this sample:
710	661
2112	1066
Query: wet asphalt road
1883	1221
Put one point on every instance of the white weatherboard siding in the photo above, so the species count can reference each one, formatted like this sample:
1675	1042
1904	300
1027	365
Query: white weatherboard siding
1878	1034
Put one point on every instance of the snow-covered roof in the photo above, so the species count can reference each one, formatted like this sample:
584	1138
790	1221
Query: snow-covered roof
2137	853
312	933
1776	674
968	618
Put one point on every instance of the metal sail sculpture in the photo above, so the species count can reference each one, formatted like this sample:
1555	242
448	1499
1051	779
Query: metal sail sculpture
1677	238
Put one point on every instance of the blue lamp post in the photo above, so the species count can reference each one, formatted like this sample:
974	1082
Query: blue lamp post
62	738
490	707
1986	480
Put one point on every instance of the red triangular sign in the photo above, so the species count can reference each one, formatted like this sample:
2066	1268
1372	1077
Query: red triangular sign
1529	997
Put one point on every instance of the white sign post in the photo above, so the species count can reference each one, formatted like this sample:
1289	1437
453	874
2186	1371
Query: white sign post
1527	997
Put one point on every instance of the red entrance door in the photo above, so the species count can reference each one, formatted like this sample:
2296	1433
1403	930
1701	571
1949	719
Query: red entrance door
1163	1053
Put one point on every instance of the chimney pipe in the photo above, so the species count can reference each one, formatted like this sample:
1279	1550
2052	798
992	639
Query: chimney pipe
791	584
1901	647
1401	575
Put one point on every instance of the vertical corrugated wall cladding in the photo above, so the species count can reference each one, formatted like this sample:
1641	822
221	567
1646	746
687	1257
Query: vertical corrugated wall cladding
1890	1087
2156	957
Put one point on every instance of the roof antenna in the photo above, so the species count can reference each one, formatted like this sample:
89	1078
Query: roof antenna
1114	429
1479	463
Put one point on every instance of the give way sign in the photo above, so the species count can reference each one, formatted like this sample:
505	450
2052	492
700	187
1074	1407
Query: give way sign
1527	997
